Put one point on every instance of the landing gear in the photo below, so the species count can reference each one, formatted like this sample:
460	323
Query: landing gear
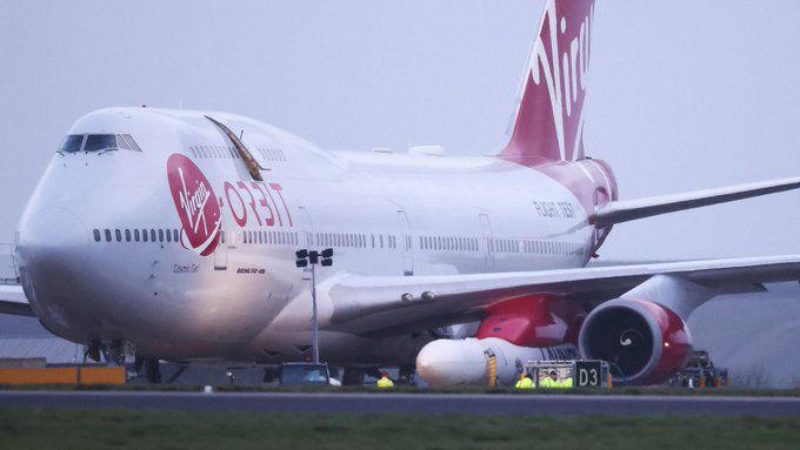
116	353
93	351
271	374
152	370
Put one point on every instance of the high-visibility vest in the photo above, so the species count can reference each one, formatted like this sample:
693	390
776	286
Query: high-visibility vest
566	383
385	383
547	382
524	383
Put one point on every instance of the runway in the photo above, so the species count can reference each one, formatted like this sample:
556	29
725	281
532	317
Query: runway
372	403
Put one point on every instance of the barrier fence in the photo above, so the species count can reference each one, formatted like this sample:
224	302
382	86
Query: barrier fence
8	269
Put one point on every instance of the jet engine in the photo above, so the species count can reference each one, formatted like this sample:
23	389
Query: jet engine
643	341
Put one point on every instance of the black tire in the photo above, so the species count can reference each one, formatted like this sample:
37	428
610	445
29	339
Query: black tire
152	369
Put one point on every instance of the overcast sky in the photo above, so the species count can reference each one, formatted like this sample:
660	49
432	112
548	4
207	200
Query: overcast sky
683	95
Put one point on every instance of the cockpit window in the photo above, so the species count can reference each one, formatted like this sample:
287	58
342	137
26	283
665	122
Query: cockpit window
98	143
131	143
72	143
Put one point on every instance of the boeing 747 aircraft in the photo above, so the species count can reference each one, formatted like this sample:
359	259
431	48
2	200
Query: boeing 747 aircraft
172	234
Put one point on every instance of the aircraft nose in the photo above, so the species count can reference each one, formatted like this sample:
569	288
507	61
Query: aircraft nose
53	243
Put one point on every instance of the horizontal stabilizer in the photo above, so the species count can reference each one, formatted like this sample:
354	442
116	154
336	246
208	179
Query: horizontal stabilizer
627	210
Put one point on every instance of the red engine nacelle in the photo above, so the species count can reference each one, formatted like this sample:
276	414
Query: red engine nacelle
644	342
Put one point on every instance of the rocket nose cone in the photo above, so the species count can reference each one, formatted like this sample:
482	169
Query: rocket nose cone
446	362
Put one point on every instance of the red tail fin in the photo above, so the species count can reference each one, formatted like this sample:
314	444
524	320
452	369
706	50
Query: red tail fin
549	123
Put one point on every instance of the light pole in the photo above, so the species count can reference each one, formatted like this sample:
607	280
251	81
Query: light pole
305	258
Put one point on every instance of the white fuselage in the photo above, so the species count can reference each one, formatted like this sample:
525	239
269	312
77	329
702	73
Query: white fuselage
383	214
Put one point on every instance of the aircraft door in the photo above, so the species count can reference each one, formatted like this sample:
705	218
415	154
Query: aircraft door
221	253
406	244
486	229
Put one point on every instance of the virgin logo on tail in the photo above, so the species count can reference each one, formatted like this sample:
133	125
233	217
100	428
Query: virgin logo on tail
196	205
549	124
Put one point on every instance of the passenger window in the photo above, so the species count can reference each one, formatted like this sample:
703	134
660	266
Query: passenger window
176	235
169	236
144	235
127	235
160	235
152	235
118	235
96	233
136	235
72	143
108	235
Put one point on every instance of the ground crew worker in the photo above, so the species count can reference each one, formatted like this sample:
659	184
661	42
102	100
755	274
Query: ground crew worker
385	382
550	381
566	382
525	382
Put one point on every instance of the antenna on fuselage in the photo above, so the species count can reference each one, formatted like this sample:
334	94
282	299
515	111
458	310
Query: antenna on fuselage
252	165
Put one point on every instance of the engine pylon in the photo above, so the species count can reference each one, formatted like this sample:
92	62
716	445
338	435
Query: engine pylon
465	362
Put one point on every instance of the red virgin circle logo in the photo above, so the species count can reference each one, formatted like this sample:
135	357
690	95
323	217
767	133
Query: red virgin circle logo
196	204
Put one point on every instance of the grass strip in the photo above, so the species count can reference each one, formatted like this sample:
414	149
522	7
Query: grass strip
23	428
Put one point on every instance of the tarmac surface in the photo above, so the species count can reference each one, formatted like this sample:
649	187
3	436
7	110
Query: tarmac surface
372	403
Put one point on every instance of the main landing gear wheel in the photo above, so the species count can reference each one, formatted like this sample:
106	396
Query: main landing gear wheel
152	370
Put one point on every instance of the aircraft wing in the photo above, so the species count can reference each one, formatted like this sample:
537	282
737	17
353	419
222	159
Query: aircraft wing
624	211
13	301
366	304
